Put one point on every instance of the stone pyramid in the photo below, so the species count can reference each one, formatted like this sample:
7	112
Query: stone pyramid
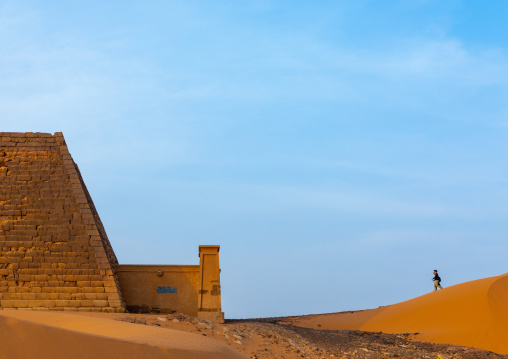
55	254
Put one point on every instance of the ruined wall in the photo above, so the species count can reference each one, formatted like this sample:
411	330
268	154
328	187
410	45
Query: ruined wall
160	288
54	251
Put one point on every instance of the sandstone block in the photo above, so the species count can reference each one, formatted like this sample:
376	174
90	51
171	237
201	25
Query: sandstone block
74	303
7	303
61	303
100	303
28	296
87	303
35	303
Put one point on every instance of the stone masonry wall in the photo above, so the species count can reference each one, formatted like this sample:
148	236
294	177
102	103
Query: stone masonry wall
54	251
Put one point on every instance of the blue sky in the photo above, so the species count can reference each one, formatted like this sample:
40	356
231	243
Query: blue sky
338	151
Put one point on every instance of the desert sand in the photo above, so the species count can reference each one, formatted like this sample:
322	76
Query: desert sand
266	339
29	334
473	314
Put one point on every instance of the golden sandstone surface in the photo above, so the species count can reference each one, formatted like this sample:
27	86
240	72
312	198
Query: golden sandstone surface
55	254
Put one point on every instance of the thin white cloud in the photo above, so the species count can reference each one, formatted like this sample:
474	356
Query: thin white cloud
242	198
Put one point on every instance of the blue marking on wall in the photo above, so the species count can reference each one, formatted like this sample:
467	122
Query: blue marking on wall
166	290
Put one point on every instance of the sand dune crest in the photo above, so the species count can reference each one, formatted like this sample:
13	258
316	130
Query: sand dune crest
471	314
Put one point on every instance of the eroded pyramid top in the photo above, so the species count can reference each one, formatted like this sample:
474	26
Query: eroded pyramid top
55	253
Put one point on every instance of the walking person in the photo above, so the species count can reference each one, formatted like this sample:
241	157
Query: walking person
437	280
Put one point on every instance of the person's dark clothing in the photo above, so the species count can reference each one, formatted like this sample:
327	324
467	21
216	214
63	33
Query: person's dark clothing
437	281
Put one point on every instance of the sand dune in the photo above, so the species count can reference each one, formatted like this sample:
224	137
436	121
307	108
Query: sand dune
471	314
27	334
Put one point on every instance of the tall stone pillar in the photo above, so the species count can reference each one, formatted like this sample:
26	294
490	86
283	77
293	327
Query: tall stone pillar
209	298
